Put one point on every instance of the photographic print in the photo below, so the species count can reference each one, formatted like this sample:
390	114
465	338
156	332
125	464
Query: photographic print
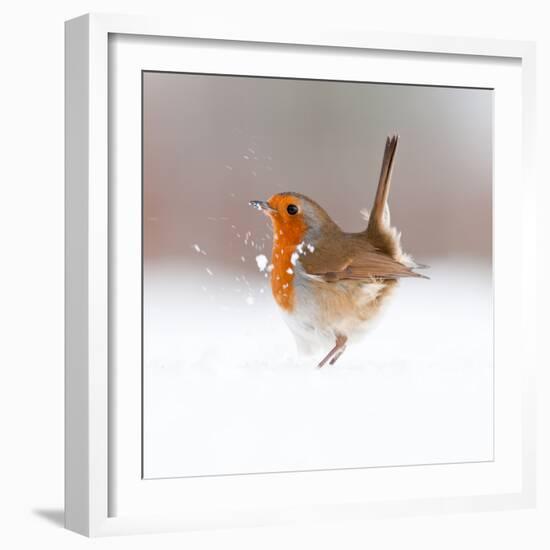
317	275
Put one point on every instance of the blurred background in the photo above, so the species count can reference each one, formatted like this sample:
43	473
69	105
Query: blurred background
212	143
224	391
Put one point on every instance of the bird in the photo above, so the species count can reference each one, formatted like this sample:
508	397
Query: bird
330	284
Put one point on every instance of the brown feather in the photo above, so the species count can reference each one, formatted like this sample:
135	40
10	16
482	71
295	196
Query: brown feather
350	256
377	231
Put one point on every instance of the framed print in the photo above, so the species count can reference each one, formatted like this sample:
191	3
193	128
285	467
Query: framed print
289	295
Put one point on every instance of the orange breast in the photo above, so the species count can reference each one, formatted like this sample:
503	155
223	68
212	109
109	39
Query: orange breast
286	236
282	277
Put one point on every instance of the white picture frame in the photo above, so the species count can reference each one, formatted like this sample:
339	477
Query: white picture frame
104	492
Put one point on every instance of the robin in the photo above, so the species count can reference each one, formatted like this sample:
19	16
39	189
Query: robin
331	284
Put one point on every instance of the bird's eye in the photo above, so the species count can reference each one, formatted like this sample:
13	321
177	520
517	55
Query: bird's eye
292	209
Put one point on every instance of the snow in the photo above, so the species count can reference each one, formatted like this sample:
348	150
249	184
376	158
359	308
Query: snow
198	249
261	261
225	392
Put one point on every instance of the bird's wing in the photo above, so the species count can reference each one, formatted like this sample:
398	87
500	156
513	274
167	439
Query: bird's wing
365	264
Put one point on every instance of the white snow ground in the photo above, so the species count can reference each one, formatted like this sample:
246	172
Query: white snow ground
224	391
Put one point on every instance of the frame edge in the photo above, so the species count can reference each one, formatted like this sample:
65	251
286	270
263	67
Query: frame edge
77	489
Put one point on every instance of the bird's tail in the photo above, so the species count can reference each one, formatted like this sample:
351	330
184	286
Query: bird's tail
378	230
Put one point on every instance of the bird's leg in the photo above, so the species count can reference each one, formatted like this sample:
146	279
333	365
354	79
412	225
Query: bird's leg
336	351
337	355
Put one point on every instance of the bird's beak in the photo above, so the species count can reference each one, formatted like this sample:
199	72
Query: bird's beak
262	205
